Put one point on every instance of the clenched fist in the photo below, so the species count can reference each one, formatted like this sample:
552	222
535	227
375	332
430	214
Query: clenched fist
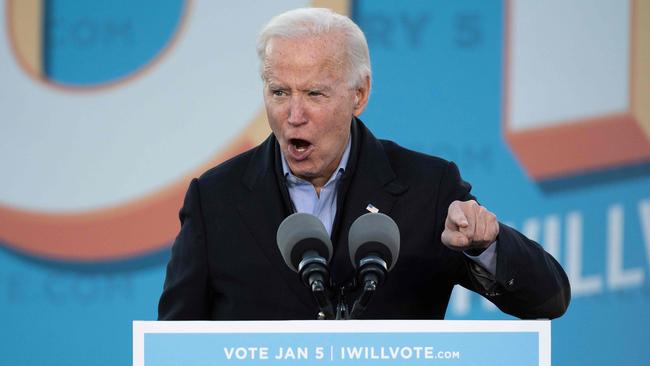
469	226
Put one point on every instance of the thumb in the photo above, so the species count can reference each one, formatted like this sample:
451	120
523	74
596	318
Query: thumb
454	239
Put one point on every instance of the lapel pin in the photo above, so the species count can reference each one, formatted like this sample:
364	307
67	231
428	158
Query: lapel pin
372	208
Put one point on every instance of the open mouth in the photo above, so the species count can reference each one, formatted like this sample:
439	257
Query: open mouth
299	149
300	145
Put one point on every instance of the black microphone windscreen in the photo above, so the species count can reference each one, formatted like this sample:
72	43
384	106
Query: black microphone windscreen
374	233
299	233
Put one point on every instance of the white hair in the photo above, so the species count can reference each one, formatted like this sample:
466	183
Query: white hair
309	22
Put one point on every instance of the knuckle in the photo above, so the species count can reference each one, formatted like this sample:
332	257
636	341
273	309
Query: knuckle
469	235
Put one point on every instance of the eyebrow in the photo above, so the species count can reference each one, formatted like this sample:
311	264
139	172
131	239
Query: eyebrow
318	87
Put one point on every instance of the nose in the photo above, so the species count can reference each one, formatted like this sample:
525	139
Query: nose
297	113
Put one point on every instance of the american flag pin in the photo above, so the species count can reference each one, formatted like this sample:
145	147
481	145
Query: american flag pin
372	208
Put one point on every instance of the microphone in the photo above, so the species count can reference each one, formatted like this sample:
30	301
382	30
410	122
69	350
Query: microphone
306	248
373	243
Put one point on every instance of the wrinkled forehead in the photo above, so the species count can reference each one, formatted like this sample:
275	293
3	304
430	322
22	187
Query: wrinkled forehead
321	51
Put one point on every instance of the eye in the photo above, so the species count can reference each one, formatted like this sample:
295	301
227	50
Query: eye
278	92
315	93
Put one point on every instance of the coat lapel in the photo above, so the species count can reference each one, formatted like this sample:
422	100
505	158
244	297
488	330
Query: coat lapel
369	180
264	209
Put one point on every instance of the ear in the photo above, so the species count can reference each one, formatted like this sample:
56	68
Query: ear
361	95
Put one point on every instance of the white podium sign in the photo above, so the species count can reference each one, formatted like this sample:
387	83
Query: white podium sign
354	342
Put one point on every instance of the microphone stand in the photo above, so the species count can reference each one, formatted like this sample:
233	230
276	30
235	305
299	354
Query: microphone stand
361	303
314	273
342	308
324	304
372	272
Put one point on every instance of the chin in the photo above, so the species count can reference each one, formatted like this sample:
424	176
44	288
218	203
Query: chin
307	175
299	170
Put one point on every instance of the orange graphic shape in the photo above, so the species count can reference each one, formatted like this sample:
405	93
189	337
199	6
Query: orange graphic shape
136	228
589	144
24	17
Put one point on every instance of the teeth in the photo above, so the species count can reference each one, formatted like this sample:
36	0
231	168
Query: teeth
300	145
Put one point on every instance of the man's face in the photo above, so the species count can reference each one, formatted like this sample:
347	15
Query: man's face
310	104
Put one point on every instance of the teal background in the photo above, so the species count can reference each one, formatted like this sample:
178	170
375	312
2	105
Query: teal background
440	94
437	69
92	42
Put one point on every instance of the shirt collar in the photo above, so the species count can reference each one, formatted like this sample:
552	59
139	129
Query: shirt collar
341	168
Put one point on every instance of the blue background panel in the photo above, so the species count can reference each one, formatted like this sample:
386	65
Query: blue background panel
437	88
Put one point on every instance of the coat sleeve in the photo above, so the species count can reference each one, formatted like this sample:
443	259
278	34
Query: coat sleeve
186	294
529	283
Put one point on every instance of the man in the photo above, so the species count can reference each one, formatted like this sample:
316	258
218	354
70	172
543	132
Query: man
321	159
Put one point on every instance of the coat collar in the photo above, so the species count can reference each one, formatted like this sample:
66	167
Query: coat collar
366	152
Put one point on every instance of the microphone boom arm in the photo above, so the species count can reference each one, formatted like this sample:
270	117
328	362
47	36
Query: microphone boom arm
372	273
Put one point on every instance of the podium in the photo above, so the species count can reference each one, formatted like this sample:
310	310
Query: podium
351	342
